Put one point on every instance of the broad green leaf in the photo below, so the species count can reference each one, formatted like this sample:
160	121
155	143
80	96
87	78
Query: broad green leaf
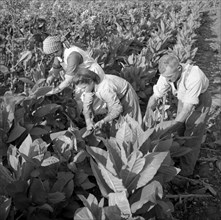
164	145
87	184
62	179
57	134
80	176
152	164
69	189
21	201
161	129
38	131
37	192
5	174
167	206
98	154
26	80
18	186
14	162
26	55
112	213
83	214
146	194
120	199
49	161
5	208
132	168
115	152
46	207
16	132
45	110
80	156
34	163
145	143
110	164
168	172
56	197
124	134
41	91
91	203
115	183
125	151
25	147
104	188
136	128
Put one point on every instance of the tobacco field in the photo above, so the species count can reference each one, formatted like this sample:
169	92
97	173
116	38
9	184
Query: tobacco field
48	170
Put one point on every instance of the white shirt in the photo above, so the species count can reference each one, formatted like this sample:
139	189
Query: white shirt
191	84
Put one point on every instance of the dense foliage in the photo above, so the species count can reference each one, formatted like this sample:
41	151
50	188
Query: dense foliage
47	170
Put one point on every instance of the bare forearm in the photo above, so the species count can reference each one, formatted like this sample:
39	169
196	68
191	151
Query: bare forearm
66	82
113	113
152	102
185	112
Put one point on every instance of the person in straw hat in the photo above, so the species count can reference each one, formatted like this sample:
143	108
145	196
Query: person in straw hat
70	60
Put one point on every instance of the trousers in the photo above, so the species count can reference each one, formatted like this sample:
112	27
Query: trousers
194	127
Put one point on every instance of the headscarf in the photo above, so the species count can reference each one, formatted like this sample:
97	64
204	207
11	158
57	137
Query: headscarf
52	44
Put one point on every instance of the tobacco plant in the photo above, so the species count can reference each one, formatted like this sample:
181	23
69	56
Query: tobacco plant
133	167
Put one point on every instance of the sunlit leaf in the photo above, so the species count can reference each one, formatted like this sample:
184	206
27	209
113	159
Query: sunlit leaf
103	186
26	80
120	199
146	194
41	91
49	161
112	212
98	154
153	162
83	214
115	183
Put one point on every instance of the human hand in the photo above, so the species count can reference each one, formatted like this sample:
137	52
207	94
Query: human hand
148	119
49	80
99	124
54	91
90	126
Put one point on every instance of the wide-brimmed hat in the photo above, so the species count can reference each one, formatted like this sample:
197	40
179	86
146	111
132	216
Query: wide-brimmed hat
52	44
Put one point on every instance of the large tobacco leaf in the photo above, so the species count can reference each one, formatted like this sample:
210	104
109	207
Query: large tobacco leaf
120	199
152	164
83	214
103	186
148	193
46	109
114	182
133	167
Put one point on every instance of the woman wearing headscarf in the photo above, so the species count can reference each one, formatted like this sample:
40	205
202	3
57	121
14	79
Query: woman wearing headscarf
117	93
70	60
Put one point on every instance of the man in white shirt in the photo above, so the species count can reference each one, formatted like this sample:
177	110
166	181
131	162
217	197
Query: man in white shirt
190	85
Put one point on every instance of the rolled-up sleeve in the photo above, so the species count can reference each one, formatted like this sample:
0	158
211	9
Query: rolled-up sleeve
161	88
193	91
114	105
74	59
